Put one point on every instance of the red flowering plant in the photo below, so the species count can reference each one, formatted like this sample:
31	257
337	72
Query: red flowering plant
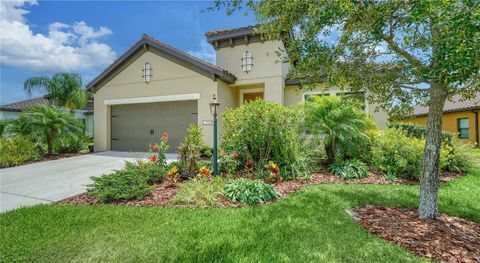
229	162
160	150
274	175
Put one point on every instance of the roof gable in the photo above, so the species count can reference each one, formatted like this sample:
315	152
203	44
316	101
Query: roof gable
147	42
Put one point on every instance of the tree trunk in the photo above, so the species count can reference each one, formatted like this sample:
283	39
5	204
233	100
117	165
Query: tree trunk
430	181
50	146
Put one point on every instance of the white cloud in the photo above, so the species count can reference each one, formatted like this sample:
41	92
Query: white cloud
65	47
206	52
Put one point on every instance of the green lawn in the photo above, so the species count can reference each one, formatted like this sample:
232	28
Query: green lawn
310	226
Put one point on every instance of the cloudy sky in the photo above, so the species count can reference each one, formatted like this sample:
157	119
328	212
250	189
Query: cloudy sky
43	37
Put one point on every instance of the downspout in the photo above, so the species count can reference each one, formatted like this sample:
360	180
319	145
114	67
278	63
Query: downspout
476	128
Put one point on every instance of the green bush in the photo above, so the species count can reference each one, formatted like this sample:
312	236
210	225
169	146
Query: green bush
342	124
460	157
206	151
17	150
70	144
394	152
419	131
260	131
132	182
45	124
249	191
200	192
119	185
349	169
152	172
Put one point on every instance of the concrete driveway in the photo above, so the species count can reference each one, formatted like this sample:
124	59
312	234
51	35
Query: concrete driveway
52	181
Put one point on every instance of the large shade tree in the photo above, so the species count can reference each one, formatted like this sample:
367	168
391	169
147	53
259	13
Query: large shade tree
399	52
65	89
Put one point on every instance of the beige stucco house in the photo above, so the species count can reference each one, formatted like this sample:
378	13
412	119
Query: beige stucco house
155	88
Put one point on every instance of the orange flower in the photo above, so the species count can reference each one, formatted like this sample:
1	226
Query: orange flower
155	147
165	136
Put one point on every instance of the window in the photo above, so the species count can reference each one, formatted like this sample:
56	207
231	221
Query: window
147	72
462	128
247	61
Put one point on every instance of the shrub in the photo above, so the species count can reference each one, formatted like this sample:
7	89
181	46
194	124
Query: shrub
229	163
249	191
419	131
393	151
46	124
152	172
342	124
460	157
189	151
349	169
260	131
17	150
119	185
201	192
206	151
70	144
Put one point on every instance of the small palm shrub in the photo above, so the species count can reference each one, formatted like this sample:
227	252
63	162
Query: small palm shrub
119	185
189	151
349	169
342	124
46	124
200	192
394	152
249	191
17	150
263	131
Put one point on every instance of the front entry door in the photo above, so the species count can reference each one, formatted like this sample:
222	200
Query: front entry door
252	96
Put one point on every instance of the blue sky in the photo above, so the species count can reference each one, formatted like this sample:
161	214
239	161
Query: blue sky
40	38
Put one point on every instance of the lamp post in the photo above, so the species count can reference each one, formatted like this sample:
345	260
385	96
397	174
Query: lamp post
214	104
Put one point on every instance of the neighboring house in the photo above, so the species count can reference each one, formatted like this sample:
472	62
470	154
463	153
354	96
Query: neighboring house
13	110
154	88
459	117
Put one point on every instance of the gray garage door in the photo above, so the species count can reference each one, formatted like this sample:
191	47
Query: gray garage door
135	126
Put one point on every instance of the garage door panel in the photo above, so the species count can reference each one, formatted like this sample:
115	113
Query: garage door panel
132	124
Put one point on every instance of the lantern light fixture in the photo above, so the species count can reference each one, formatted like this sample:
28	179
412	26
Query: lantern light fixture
147	72
247	61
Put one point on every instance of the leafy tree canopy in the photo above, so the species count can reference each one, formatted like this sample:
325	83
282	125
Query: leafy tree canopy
394	50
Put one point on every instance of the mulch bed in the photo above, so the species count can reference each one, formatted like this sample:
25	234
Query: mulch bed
448	239
164	192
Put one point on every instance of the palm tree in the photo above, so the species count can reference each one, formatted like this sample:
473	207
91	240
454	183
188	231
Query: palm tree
65	89
342	124
45	123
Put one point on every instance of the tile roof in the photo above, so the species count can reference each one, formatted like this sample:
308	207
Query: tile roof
148	40
454	104
228	30
23	104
